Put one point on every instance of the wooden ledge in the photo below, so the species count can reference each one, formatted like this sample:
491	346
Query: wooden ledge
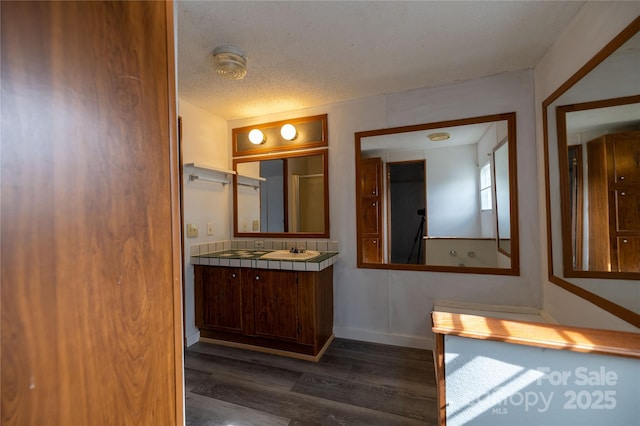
552	336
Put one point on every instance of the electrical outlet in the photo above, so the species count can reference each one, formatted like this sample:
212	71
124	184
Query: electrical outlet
192	230
258	244
256	225
209	228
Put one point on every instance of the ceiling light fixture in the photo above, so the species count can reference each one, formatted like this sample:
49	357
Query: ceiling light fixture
256	137
288	132
437	137
230	62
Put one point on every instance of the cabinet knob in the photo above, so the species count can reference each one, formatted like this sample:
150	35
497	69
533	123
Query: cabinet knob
623	193
233	275
621	177
257	277
625	240
374	242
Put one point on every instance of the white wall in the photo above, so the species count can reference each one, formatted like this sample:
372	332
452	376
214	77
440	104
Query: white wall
594	26
394	306
453	208
204	140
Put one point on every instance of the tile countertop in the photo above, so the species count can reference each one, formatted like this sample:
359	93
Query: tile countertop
251	259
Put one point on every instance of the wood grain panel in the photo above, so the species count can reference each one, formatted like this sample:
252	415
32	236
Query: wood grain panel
579	339
626	157
89	277
627	208
324	307
275	298
629	254
221	299
371	250
597	189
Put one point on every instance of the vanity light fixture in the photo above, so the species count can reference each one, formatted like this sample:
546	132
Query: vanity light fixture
437	137
230	62
288	132
256	137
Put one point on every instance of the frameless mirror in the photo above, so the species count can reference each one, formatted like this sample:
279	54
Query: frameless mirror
439	196
592	154
282	195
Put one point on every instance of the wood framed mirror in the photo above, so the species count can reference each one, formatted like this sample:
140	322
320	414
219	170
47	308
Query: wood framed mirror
282	195
592	164
599	162
439	196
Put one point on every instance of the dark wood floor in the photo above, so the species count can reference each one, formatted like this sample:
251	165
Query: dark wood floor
355	383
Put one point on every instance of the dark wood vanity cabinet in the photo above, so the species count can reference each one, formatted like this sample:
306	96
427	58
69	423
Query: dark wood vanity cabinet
613	184
283	310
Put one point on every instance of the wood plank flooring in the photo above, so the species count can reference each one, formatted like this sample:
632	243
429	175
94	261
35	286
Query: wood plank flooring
355	383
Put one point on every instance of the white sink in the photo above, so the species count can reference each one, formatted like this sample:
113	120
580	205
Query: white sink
286	255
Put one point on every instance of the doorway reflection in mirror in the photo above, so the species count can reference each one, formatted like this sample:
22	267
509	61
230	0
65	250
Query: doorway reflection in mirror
421	201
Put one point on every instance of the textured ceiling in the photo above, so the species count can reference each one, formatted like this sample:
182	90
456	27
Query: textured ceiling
306	53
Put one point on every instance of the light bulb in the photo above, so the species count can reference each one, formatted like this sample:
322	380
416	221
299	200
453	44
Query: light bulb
256	137
289	132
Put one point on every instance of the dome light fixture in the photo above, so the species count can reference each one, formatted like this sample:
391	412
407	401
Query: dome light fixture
230	62
288	132
438	137
256	137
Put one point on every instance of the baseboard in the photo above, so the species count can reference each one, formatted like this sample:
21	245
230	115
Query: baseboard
418	342
312	358
193	338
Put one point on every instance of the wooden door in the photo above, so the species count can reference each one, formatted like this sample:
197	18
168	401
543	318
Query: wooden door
275	298
219	298
90	261
371	210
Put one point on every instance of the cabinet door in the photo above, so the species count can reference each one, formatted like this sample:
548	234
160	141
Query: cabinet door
370	176
629	254
275	298
371	220
371	251
628	209
222	299
625	148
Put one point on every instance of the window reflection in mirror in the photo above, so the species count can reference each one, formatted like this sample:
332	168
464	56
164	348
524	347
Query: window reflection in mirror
501	184
443	205
282	195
